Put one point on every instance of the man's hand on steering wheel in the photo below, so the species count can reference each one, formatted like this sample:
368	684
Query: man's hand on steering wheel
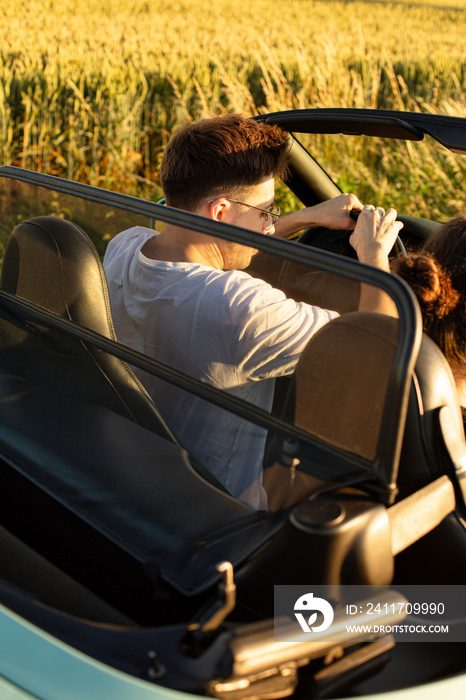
375	234
335	213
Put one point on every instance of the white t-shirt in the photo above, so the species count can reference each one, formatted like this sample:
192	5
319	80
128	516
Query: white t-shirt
226	328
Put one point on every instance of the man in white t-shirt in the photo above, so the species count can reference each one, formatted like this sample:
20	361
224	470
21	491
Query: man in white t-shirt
181	296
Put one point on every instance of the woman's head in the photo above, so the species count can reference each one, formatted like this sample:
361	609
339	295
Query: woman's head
437	275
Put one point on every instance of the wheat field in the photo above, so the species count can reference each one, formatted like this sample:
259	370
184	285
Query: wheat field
92	91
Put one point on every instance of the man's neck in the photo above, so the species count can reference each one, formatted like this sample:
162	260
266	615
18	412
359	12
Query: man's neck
177	244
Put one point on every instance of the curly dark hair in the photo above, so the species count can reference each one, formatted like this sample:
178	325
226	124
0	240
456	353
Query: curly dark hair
221	155
437	275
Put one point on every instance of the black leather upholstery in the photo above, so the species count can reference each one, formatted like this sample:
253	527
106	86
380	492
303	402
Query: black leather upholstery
53	264
434	436
433	445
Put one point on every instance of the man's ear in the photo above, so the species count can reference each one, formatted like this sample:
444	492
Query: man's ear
218	208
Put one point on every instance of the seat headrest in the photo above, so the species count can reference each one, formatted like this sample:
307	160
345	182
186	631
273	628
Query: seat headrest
341	381
53	264
46	249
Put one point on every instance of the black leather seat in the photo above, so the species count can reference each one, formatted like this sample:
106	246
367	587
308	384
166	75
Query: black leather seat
52	263
433	445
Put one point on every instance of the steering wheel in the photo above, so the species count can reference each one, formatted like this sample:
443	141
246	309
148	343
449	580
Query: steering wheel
336	241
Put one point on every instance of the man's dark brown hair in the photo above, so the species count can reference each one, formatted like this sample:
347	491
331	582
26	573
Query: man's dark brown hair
221	155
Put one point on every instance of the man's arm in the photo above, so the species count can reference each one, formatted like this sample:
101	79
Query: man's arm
373	238
333	213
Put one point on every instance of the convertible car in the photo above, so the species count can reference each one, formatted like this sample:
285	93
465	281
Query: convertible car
127	570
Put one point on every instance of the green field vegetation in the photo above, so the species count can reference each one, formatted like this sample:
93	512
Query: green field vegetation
92	91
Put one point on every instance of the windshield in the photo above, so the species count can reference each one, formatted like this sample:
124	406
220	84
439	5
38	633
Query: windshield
417	178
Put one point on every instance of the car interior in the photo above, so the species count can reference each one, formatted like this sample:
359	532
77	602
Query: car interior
117	542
